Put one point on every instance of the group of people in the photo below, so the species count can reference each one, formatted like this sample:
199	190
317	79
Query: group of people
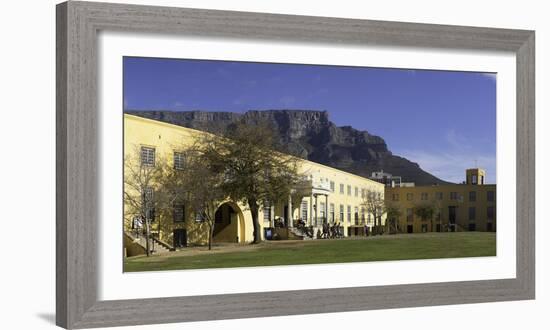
328	230
332	231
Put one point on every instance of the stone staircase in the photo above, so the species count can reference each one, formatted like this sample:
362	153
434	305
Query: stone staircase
156	246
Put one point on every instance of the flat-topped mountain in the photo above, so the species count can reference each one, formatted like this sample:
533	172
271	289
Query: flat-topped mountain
309	135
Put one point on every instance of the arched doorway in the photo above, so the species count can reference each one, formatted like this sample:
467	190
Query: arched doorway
228	223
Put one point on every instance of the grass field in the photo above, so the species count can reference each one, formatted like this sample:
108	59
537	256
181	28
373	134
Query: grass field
378	248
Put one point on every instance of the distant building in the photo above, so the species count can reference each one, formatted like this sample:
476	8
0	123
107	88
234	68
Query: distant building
470	206
389	180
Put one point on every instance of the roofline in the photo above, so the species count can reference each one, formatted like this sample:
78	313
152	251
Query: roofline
162	123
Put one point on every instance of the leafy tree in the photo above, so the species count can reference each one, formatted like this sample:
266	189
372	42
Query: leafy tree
425	211
254	173
393	212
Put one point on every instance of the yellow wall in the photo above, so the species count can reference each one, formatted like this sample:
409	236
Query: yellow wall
354	189
167	138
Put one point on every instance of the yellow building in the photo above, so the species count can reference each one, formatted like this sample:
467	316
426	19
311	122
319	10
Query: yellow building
458	207
329	195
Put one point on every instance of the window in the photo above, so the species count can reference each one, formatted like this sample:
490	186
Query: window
178	160
370	195
148	194
490	212
472	227
452	215
356	192
424	196
474	179
489	226
322	210
438	215
267	212
179	213
472	196
439	195
331	210
147	156
363	215
341	212
490	196
341	188
150	214
349	213
356	215
362	192
471	213
410	196
332	186
349	190
395	197
424	227
409	215
304	210
453	195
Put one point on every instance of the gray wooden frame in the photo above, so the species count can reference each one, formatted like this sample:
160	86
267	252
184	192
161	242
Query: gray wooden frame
78	24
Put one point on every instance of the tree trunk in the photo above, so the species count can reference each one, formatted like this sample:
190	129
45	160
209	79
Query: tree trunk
147	236
256	225
144	217
210	236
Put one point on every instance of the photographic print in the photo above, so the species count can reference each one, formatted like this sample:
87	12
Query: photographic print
247	164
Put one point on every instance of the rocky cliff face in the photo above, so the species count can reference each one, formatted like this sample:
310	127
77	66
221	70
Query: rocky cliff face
310	135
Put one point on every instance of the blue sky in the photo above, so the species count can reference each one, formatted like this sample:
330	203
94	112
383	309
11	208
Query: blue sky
443	120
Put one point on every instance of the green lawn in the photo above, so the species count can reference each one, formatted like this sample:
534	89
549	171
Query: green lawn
388	247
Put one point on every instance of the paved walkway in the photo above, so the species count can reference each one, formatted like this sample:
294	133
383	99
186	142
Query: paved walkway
228	247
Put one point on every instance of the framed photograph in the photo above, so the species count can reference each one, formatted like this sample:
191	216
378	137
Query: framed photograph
218	165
